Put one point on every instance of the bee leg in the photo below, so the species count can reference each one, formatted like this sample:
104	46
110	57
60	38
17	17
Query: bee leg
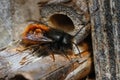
21	48
41	51
35	51
66	55
52	54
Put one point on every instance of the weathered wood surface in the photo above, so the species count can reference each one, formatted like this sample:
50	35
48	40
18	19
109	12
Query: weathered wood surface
15	63
13	18
105	21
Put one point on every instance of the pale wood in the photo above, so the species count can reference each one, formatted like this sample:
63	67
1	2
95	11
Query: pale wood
14	15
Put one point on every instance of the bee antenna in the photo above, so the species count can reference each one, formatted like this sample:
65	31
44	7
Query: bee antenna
81	29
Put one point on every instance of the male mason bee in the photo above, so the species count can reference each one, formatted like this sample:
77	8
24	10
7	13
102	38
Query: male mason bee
48	40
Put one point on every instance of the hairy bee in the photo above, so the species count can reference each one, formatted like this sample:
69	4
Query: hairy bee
48	40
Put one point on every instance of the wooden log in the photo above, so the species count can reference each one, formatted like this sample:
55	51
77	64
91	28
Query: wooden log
16	64
105	21
23	65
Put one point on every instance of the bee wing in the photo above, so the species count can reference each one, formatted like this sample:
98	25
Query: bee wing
38	38
44	39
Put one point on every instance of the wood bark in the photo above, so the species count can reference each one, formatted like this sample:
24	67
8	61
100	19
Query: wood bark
16	65
105	22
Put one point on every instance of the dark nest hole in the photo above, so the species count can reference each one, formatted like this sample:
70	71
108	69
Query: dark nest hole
61	21
18	77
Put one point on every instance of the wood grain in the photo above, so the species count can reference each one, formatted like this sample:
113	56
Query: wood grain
105	22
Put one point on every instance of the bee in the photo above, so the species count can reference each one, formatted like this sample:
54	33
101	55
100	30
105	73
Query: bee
48	40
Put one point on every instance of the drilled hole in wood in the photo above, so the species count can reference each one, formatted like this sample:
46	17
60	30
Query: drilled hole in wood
62	22
18	77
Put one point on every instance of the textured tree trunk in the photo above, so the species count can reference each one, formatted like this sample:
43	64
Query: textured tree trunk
105	21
